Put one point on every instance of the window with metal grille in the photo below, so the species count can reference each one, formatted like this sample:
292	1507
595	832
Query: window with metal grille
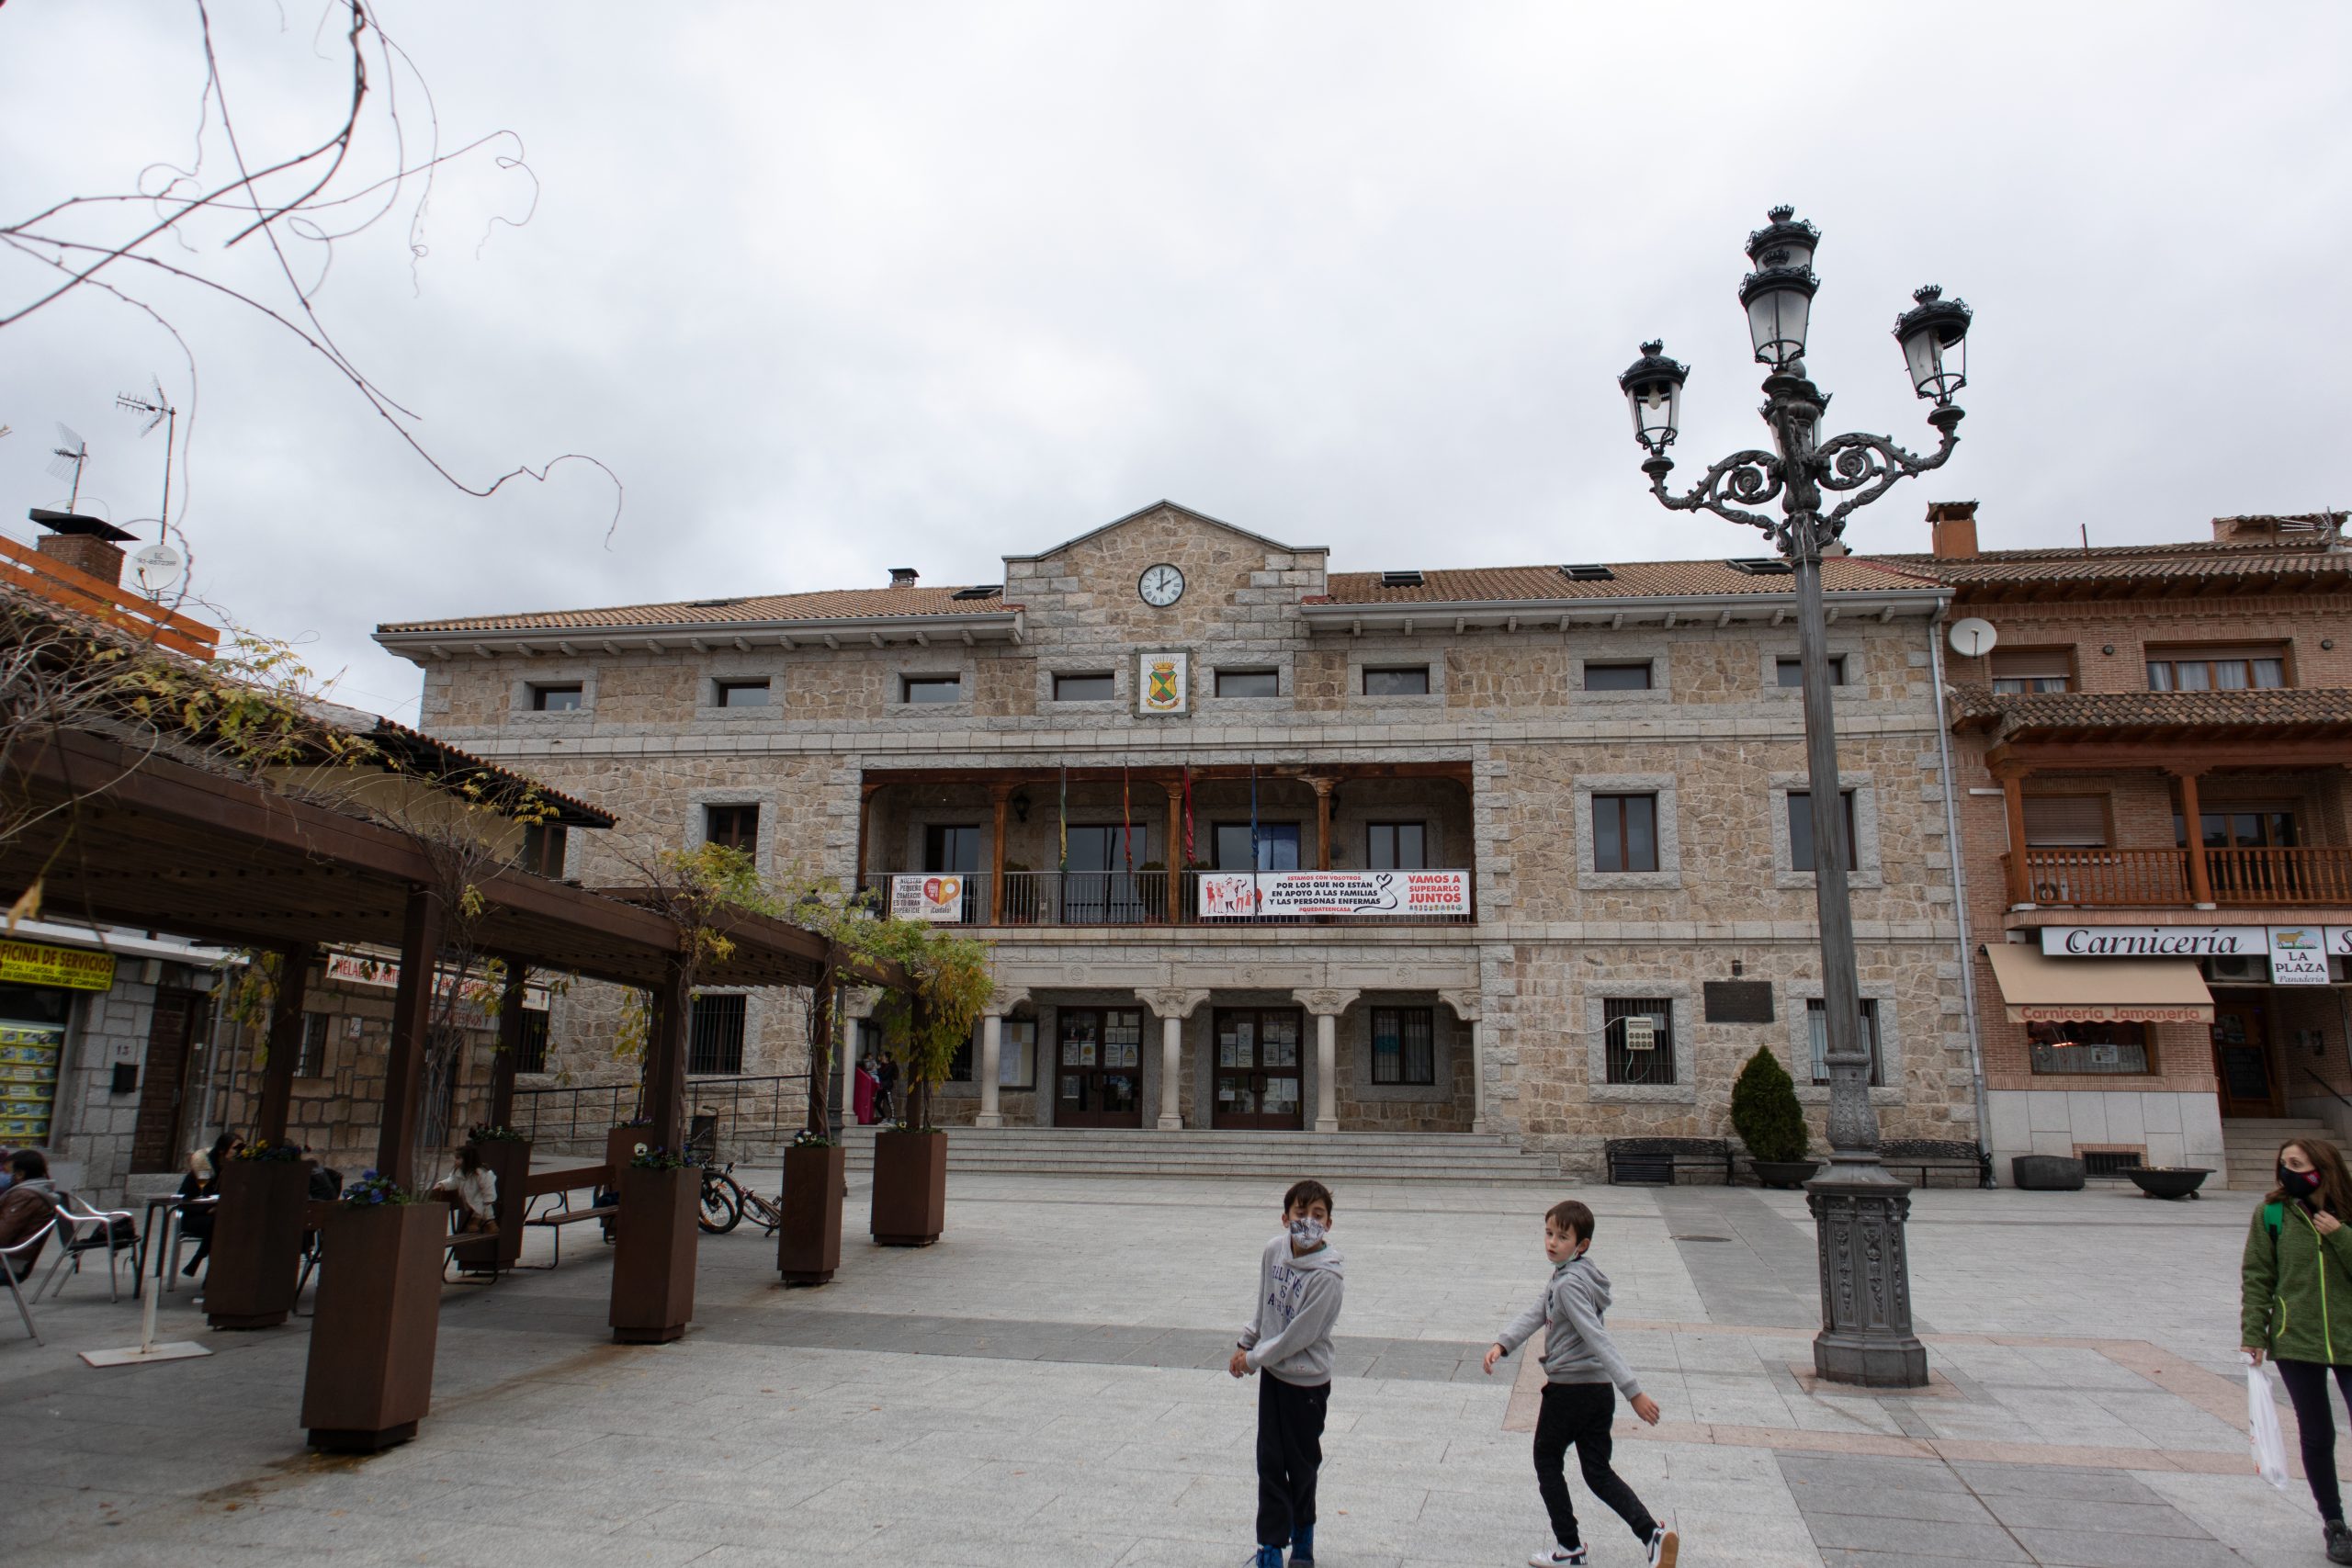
1412	681
1801	830
531	1053
311	1061
2019	671
2088	1047
2065	821
1625	832
1816	1022
1630	1059
2109	1162
715	1034
1403	1045
737	827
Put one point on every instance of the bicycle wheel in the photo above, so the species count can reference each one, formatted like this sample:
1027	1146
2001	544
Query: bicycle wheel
720	1211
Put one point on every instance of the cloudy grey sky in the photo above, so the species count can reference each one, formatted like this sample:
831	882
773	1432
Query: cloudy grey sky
837	289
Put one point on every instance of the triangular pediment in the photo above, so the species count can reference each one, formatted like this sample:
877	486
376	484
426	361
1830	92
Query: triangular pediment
1167	511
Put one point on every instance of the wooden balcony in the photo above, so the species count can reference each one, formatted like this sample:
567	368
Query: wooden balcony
2166	879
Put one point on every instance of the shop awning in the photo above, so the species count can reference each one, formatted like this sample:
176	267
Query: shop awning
2040	990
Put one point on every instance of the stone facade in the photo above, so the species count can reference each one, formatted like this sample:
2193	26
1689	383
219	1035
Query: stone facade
1497	763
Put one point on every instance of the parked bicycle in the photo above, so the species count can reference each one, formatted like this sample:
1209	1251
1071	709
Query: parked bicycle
725	1200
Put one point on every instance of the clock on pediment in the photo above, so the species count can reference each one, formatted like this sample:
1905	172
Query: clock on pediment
1160	585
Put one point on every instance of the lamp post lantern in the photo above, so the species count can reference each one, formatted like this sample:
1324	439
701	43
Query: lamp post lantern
1859	1208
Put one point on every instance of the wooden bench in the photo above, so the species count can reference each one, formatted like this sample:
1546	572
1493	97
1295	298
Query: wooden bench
1659	1162
560	1185
1955	1156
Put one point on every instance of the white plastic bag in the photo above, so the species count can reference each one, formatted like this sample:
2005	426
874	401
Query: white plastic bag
2262	1420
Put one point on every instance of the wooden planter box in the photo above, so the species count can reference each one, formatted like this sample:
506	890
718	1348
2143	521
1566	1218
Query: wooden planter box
510	1162
257	1244
909	1187
653	1256
379	1318
808	1246
620	1144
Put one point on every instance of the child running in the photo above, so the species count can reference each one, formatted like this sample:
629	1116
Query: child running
1289	1339
1580	1365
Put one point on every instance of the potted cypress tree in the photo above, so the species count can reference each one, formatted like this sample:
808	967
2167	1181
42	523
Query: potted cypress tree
1766	1116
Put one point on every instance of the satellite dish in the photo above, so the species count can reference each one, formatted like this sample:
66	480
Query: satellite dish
158	568
1973	637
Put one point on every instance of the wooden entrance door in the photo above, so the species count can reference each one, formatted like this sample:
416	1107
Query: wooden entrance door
158	1140
1099	1075
1258	1082
2242	1059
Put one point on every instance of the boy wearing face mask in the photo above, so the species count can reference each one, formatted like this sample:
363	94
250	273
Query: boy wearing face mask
1582	1371
1289	1339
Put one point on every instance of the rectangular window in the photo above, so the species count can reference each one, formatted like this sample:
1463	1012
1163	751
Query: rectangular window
1816	1024
737	827
1403	1045
568	698
2215	668
714	1035
1791	671
1801	830
2088	1047
1277	846
1625	832
933	689
1412	681
1090	688
2240	827
745	693
311	1062
1396	846
1248	683
1016	1064
2065	821
1631	1059
1617	677
533	1056
543	844
2020	671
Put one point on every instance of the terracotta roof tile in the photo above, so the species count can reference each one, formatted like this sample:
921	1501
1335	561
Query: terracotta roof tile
1635	580
839	604
1977	707
2128	564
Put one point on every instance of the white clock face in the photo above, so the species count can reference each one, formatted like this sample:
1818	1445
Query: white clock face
1161	586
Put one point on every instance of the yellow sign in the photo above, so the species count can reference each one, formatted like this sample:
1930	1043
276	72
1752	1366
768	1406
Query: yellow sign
31	964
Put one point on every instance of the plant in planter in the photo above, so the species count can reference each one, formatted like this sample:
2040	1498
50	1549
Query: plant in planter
379	1318
483	1133
257	1236
653	1253
808	1243
1766	1116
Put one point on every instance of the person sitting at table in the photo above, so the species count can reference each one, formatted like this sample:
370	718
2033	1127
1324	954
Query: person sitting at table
474	1190
203	1180
28	1204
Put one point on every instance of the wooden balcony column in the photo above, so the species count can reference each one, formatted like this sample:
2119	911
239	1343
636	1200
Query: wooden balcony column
1174	858
2013	798
2200	875
510	1040
1323	787
865	792
1001	796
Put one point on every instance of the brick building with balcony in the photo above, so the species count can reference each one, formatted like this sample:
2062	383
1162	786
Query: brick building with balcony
1258	845
2152	744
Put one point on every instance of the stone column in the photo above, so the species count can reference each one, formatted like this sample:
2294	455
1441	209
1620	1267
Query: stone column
1174	1006
991	1051
1325	1006
1465	1006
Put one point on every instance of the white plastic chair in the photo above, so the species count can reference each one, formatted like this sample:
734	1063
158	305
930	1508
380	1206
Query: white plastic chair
84	1229
28	1249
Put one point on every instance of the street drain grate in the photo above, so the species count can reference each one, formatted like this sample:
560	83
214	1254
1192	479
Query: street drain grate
1699	1238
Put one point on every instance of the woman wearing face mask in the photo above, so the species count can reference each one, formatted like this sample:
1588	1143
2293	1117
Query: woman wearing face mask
2297	1281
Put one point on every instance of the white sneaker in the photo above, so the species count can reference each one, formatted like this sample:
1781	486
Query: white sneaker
1664	1545
1558	1557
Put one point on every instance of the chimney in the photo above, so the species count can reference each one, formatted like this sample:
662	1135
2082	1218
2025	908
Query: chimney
902	577
1952	525
88	543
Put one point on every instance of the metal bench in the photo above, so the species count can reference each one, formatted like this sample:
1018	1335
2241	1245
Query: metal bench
1659	1162
1925	1157
560	1185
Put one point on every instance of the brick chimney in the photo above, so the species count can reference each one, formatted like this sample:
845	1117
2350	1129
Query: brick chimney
86	543
1952	525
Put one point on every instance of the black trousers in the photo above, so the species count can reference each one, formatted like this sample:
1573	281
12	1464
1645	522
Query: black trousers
1576	1415
1290	1451
2307	1388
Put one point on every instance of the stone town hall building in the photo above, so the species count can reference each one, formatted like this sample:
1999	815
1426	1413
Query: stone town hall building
1559	797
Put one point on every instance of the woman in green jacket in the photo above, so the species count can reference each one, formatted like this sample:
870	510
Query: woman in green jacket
2296	1286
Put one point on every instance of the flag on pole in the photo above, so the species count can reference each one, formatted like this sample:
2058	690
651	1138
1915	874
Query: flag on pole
1256	864
1126	823
1189	856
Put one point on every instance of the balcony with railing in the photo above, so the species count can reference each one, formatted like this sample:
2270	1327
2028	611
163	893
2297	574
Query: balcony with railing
2234	877
1027	899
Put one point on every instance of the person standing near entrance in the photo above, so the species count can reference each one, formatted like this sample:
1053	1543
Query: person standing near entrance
2298	1256
886	1091
1288	1339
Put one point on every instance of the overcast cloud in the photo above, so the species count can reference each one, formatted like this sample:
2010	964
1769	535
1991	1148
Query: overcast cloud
837	289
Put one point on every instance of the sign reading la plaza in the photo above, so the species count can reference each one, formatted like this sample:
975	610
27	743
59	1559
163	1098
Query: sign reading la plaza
2298	954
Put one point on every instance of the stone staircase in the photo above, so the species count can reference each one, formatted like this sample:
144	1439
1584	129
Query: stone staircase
2250	1148
1271	1157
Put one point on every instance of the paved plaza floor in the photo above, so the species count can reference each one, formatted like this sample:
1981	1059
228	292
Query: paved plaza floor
1046	1386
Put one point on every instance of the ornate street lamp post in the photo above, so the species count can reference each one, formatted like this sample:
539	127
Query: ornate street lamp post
1859	1209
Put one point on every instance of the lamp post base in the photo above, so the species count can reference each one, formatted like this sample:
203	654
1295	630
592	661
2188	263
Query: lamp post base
1866	1339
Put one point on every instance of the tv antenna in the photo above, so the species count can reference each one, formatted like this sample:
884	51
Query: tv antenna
158	411
71	452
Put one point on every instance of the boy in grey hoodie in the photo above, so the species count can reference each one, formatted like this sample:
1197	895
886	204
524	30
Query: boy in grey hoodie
1582	1372
1289	1339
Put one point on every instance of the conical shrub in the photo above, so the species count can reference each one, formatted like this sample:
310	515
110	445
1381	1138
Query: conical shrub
1764	1110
